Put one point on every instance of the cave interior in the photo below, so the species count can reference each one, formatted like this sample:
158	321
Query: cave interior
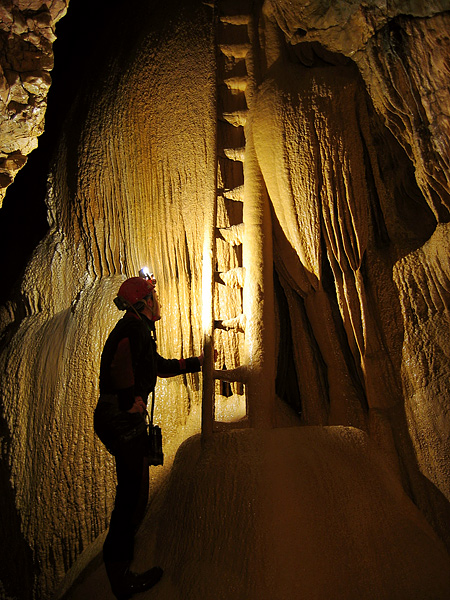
283	169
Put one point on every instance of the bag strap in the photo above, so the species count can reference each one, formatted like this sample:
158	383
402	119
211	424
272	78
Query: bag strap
153	407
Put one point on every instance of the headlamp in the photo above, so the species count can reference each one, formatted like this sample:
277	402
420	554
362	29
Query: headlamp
146	274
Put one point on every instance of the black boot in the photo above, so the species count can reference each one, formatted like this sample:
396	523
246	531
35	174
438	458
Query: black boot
125	583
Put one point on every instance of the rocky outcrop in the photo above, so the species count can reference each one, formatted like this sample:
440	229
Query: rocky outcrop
27	33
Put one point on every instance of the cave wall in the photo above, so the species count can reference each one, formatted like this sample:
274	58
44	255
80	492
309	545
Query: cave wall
375	203
350	127
135	198
27	33
371	203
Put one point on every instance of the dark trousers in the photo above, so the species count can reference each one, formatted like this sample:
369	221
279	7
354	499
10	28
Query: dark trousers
130	503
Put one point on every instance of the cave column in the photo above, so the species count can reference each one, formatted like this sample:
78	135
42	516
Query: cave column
258	293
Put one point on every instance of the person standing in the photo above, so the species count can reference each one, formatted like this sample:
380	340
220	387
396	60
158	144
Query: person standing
130	365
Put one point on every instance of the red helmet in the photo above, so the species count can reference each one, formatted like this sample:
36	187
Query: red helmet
132	290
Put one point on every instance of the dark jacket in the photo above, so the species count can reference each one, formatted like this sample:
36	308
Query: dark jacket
130	362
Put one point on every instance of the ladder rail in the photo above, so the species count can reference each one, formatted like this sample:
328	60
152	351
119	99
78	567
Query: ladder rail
257	320
208	272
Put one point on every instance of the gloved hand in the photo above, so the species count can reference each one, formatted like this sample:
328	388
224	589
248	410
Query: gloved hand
138	406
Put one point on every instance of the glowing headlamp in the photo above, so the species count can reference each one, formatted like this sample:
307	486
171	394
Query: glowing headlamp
145	274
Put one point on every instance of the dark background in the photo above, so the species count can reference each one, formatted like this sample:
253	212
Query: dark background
23	217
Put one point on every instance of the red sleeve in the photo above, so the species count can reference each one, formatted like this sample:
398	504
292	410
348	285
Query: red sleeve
122	375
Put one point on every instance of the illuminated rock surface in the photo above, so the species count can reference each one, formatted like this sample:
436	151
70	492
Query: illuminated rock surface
348	127
26	59
291	513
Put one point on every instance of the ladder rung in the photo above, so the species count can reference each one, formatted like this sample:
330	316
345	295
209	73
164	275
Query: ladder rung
236	19
237	118
236	84
238	374
234	234
221	426
236	194
235	50
236	154
236	323
233	278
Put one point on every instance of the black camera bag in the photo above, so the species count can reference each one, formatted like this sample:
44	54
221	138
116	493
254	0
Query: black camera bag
119	429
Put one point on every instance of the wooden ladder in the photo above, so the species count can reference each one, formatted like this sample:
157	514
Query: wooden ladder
238	179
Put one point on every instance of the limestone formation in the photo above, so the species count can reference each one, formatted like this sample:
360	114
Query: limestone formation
27	33
282	167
